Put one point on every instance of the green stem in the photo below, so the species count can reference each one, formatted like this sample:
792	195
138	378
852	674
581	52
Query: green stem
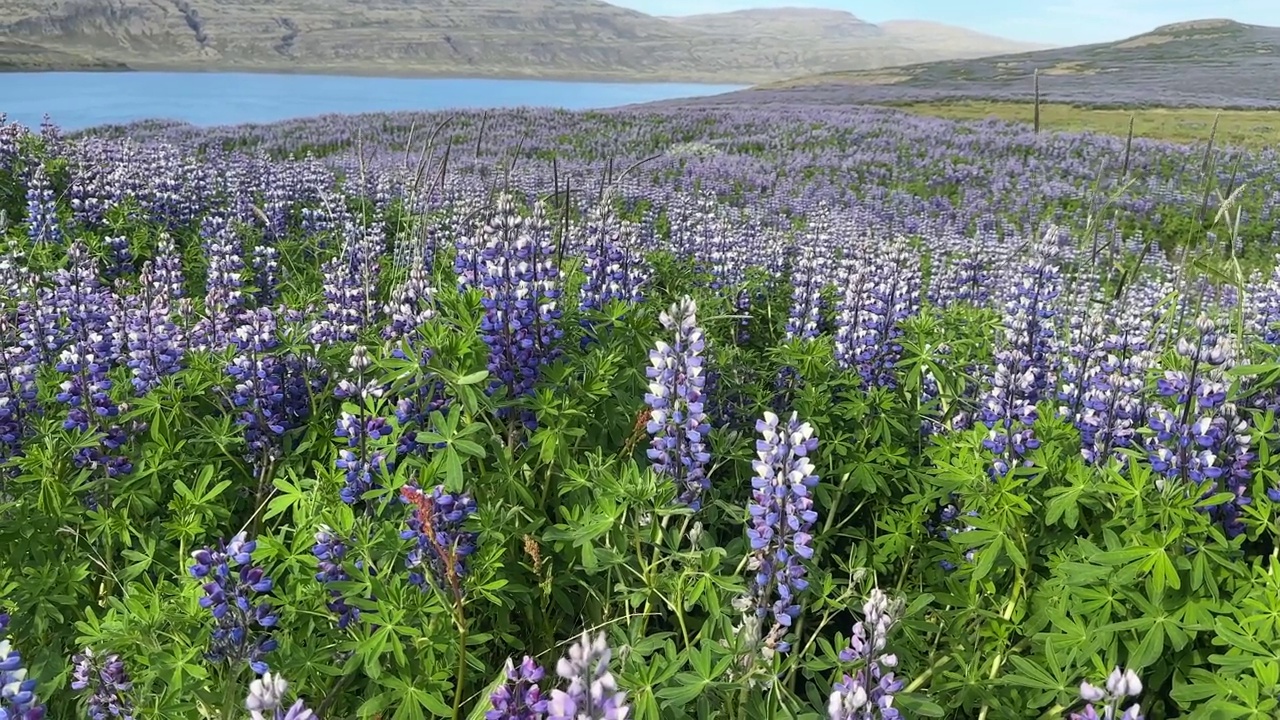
461	675
923	677
998	660
230	703
742	700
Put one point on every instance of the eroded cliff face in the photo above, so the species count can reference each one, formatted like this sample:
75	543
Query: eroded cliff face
484	37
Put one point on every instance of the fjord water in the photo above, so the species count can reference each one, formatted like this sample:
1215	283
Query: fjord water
76	100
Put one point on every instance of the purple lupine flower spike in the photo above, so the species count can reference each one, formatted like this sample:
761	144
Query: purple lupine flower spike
520	697
1024	369
42	212
441	542
232	584
781	519
18	699
678	422
154	341
361	464
266	698
868	693
521	283
1103	703
592	692
330	550
108	683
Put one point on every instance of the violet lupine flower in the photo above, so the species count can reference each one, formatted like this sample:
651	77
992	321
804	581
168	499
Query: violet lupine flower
18	699
1113	409
592	692
42	211
119	258
412	304
868	693
851	309
612	270
87	393
951	522
351	285
1103	703
361	464
266	695
232	584
437	523
108	683
782	516
153	340
894	297
520	697
224	283
1200	439
168	268
272	391
1080	365
265	262
678	422
521	285
808	279
1023	371
330	550
18	366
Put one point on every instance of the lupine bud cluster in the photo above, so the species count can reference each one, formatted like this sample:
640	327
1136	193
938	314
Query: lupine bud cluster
868	693
1103	703
678	423
442	544
362	464
232	588
18	699
266	698
107	682
781	518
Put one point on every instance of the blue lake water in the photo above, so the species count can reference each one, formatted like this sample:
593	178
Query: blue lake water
76	100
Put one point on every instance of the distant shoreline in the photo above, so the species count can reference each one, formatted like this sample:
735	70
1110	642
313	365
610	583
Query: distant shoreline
392	74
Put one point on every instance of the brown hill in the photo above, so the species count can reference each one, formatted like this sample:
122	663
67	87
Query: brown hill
529	38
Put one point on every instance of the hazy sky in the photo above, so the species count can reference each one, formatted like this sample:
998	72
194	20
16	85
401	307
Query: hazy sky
1061	22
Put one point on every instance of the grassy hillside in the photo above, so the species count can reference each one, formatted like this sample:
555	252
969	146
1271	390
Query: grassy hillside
531	38
1207	63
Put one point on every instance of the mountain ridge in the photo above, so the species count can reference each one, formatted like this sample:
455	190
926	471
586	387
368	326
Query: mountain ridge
579	39
1212	62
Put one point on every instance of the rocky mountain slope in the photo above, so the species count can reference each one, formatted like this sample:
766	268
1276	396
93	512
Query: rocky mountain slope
1205	63
533	38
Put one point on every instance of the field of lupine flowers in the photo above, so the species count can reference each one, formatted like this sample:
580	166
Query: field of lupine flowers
718	413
